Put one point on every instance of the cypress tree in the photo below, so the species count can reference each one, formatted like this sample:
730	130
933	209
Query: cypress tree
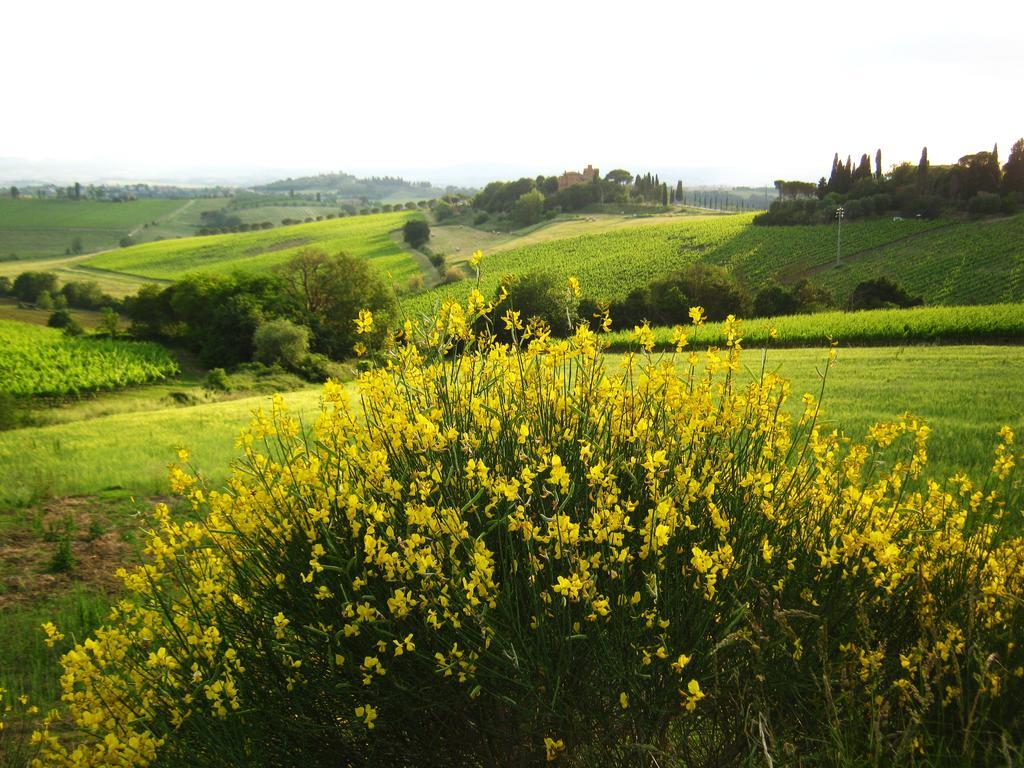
833	179
878	165
922	166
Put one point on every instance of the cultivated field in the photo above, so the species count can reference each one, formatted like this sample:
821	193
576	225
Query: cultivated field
37	361
916	325
364	236
32	228
947	262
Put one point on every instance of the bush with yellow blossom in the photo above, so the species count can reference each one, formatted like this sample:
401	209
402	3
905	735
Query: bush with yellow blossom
510	554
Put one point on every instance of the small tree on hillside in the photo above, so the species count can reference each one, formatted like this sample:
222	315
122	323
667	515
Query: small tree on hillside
416	232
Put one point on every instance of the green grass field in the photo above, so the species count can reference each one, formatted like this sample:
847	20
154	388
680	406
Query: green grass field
364	236
128	451
963	390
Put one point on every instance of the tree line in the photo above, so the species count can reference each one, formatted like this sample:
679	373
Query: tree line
976	184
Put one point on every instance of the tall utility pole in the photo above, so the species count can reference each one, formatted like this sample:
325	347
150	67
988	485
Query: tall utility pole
839	233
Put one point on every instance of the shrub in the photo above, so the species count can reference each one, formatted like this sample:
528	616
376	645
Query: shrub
881	293
512	554
44	300
63	319
280	342
1010	206
668	299
775	301
84	294
443	211
28	285
217	379
416	232
481	218
538	296
415	284
985	204
454	274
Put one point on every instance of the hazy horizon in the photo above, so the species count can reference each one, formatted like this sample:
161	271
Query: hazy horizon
460	94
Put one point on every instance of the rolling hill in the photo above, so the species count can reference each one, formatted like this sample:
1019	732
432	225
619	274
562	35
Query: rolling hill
947	262
365	236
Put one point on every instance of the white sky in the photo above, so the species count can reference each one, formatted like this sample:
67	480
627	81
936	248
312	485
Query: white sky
759	89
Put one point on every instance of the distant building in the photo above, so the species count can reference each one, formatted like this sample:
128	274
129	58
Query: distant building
569	178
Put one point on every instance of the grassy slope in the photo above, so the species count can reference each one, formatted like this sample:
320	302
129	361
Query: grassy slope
967	263
365	236
34	228
9	310
131	450
128	450
611	264
946	262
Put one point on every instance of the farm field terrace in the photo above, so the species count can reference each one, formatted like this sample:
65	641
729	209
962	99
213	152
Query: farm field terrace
363	236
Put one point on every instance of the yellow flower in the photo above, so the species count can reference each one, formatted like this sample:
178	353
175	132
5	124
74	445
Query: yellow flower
681	662
644	336
697	315
364	323
574	288
624	700
52	635
553	748
474	260
367	714
692	695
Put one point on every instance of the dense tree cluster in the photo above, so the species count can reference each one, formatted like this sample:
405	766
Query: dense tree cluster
976	183
218	316
618	186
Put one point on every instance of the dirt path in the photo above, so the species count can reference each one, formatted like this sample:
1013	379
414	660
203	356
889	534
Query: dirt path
163	218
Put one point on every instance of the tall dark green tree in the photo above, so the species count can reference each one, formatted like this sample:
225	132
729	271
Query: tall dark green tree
1013	171
922	167
14	192
878	165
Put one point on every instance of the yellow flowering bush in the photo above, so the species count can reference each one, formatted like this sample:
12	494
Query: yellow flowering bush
512	554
